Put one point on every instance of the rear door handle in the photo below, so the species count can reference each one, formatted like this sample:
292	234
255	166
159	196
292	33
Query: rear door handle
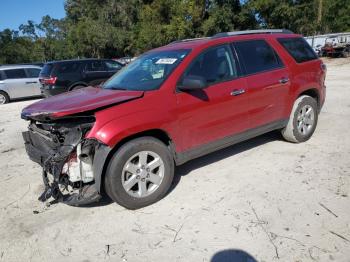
237	92
284	80
34	82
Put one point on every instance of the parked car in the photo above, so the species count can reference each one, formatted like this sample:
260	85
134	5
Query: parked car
62	76
19	81
125	60
173	104
336	46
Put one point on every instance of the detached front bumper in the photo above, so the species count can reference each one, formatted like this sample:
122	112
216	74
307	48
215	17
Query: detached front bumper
67	178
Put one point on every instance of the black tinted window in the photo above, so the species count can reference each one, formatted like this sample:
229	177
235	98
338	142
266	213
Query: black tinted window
33	72
15	73
95	66
215	65
67	68
257	56
113	65
298	48
46	70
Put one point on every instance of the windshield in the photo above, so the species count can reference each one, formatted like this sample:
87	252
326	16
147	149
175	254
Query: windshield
147	72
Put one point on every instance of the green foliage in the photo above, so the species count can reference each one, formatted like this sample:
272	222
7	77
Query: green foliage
115	28
336	17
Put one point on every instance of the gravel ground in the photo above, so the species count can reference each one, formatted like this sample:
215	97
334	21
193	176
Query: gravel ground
261	200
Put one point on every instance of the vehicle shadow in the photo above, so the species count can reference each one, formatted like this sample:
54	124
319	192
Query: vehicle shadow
232	255
186	168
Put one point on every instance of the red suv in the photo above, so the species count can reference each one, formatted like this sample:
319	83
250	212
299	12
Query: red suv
171	105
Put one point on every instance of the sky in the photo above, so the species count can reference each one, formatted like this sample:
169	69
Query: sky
13	13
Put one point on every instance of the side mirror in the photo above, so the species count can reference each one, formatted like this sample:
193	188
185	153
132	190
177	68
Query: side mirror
192	83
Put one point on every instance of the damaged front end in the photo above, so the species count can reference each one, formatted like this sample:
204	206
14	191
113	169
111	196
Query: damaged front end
69	161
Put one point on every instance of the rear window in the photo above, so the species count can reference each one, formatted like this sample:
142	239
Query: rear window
257	56
298	48
15	73
47	69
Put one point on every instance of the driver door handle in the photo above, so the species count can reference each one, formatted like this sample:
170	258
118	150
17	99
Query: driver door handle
284	80
237	92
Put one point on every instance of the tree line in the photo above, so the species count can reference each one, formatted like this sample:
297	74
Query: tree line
116	28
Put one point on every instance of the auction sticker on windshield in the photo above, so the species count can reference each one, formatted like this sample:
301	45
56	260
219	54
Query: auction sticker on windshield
166	61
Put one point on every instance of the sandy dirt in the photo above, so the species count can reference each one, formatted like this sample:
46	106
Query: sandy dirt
273	200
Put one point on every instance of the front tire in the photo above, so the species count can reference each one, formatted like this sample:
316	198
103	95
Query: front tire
4	98
302	121
139	173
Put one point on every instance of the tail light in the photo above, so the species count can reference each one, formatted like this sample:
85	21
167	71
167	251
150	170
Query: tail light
48	81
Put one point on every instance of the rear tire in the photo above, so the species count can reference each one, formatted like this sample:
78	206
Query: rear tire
132	181
4	98
302	121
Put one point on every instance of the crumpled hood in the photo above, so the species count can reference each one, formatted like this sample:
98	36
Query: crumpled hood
81	100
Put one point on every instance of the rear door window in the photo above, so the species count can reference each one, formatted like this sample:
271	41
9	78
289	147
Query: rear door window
33	72
298	48
214	65
95	66
15	73
67	68
257	56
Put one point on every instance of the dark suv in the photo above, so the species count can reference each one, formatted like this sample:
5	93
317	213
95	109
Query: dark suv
62	76
171	105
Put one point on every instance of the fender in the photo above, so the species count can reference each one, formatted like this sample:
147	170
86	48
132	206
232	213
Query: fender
116	130
113	132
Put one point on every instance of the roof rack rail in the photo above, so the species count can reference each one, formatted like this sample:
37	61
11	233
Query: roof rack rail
249	32
188	40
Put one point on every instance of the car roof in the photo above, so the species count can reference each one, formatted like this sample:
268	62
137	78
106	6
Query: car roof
227	37
78	60
5	67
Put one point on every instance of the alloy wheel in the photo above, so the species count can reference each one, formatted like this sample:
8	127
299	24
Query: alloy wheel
2	99
305	120
142	174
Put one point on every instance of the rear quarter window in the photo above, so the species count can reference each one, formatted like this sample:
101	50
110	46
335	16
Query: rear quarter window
257	56
298	48
33	72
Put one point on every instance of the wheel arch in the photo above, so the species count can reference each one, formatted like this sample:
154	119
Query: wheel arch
314	93
6	94
77	84
159	134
